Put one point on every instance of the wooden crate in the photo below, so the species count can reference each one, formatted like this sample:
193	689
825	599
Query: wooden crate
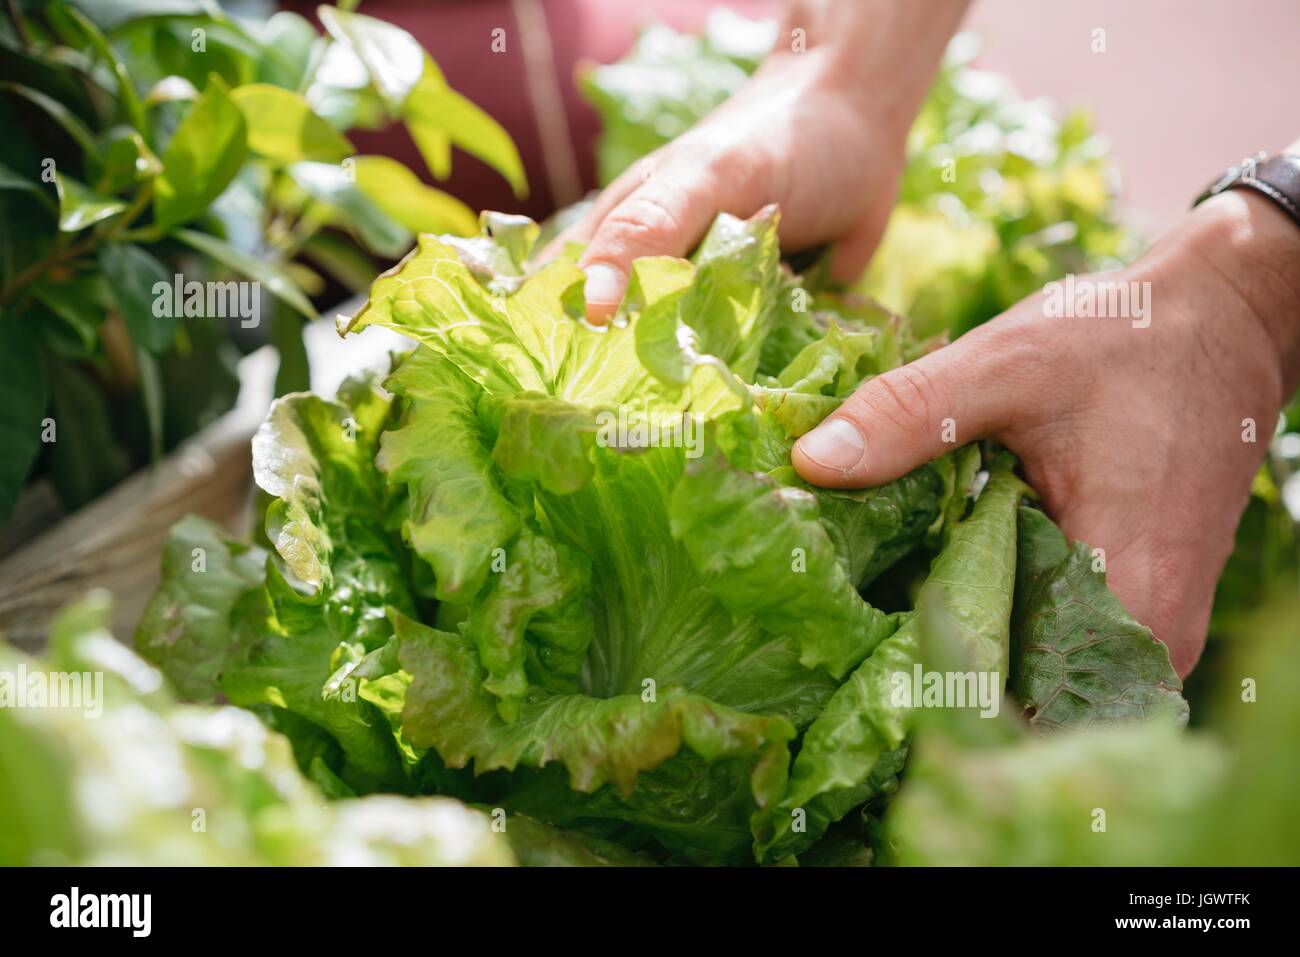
115	542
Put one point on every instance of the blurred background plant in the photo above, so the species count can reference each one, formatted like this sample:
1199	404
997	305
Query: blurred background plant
147	141
135	778
1143	794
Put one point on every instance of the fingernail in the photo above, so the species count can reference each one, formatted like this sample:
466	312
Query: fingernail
604	285
835	444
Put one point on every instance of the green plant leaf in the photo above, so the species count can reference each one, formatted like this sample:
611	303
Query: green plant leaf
125	160
458	513
394	59
85	458
353	268
76	310
186	628
202	157
71	123
294	372
9	180
269	274
282	127
970	584
131	274
289	42
332	186
126	90
327	522
463	124
79	207
599	741
24	393
1082	659
403	198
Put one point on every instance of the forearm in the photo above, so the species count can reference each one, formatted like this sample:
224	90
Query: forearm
885	52
1255	247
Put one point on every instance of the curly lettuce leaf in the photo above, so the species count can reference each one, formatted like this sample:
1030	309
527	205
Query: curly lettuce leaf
971	581
124	786
765	554
599	741
189	625
329	517
1082	659
458	512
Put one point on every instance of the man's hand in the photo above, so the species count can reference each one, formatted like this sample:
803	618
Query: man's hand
819	129
1142	439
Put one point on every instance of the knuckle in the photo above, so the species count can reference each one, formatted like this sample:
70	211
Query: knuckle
641	221
905	396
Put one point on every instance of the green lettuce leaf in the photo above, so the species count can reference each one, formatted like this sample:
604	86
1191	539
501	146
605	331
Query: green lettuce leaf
599	741
1082	659
132	777
864	723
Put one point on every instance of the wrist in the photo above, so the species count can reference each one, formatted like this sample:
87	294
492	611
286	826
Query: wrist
879	55
1254	248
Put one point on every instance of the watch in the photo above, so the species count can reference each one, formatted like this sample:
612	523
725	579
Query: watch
1276	176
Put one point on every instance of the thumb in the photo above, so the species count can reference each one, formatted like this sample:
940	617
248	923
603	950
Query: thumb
664	216
902	419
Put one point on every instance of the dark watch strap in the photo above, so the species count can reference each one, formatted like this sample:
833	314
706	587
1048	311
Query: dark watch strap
1277	177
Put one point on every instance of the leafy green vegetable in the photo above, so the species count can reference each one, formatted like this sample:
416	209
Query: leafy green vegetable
125	775
1082	659
1129	793
569	571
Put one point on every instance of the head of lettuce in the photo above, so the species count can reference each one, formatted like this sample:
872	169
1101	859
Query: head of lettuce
568	572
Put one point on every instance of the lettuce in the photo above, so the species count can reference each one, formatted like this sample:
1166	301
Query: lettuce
129	776
569	572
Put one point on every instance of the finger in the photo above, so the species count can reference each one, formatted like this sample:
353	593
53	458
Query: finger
609	197
664	216
898	421
853	250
